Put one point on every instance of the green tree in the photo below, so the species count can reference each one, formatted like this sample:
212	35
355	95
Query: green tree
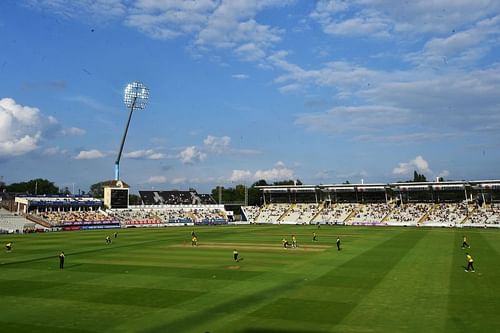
66	191
288	182
97	189
134	199
37	186
418	177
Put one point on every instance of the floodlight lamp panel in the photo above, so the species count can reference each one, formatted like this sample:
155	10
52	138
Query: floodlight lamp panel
136	95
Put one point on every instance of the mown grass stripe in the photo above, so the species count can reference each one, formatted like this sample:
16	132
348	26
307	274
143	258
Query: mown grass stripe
473	298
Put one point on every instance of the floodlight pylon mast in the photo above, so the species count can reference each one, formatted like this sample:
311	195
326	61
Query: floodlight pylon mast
117	162
135	97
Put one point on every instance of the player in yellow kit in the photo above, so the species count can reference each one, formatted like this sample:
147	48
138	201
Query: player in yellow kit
470	263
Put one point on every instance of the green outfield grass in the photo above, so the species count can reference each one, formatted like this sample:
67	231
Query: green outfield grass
383	280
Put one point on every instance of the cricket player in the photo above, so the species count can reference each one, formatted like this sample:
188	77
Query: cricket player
314	237
285	243
108	240
470	263
8	246
464	244
235	255
294	241
194	241
338	243
61	260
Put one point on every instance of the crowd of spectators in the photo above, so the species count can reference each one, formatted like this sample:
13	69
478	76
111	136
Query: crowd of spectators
335	213
175	198
56	218
486	214
408	213
251	212
301	213
272	212
165	215
448	213
371	213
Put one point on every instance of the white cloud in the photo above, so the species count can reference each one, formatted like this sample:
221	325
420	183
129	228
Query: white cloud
279	172
170	19
226	24
418	164
342	76
148	154
72	131
240	76
54	151
156	180
75	9
232	23
179	180
387	18
240	176
217	144
250	52
191	155
353	119
460	48
89	154
21	128
444	173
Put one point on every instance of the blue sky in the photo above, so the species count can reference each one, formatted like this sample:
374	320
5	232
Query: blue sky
321	91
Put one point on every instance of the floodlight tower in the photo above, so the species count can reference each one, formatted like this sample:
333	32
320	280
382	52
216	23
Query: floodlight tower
135	97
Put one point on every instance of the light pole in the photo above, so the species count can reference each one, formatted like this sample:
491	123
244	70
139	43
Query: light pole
135	97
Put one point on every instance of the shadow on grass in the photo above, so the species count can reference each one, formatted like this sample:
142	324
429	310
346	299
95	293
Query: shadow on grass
267	330
187	324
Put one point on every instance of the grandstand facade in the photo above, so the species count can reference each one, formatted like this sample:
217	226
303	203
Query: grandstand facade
451	204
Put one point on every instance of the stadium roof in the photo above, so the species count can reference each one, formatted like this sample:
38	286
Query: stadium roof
410	186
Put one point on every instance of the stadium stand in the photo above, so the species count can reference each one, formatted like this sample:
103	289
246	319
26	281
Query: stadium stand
370	214
271	213
436	204
409	214
447	214
250	213
175	198
485	215
335	213
14	223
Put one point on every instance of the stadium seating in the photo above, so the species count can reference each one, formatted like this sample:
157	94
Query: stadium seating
164	215
408	214
487	215
370	213
335	213
447	214
13	223
271	213
250	212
